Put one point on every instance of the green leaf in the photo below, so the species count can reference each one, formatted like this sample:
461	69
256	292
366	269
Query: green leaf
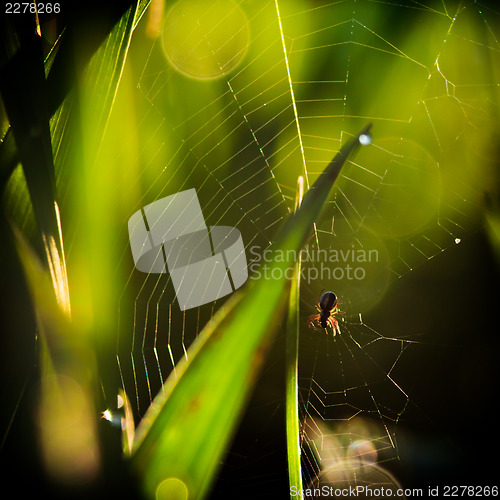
83	34
65	412
23	68
44	133
181	440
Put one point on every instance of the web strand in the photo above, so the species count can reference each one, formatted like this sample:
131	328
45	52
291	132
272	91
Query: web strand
310	79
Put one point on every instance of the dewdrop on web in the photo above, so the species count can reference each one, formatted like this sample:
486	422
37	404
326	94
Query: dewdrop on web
365	139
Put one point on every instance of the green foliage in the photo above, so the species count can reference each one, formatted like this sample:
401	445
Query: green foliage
52	155
184	433
43	136
57	126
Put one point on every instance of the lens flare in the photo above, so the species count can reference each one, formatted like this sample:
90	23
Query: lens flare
205	40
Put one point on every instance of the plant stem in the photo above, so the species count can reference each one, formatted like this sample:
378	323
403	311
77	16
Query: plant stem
292	358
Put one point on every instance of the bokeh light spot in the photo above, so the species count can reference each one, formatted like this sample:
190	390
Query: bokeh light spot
205	40
172	488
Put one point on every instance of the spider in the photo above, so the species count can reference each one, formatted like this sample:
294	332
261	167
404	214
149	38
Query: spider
327	307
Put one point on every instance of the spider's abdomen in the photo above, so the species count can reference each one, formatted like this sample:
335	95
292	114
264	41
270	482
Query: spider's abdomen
327	303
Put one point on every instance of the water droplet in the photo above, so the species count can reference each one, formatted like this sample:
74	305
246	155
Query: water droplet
365	139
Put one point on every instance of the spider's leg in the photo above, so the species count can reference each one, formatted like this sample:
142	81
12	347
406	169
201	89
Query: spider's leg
312	319
334	324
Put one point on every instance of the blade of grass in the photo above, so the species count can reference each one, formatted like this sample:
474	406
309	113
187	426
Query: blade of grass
180	441
68	371
23	68
84	31
65	412
96	86
291	371
85	177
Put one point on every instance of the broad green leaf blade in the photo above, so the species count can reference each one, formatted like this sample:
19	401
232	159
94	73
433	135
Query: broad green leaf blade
85	174
181	440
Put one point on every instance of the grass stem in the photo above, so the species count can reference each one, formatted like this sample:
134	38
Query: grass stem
291	373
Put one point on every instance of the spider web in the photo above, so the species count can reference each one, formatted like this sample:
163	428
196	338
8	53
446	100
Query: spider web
313	74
